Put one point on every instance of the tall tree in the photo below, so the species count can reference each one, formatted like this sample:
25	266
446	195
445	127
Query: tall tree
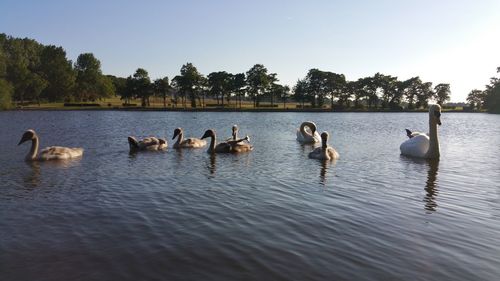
219	84
91	84
142	87
189	82
334	85
442	93
57	70
475	99
162	88
258	82
492	95
238	83
300	91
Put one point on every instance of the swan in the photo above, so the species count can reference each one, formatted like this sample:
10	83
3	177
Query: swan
49	153
325	152
149	143
228	146
307	133
187	143
421	145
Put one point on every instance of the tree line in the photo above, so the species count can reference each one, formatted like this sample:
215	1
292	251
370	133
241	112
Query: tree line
33	72
488	99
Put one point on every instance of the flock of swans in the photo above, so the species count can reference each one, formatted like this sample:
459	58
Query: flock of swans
419	145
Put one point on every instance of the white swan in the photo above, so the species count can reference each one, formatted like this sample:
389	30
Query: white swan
419	144
187	143
227	146
325	152
307	133
149	143
49	153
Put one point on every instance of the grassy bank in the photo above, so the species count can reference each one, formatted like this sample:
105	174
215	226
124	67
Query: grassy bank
156	104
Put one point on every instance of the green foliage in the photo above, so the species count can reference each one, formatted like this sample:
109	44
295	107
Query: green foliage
91	84
442	93
476	98
58	71
5	94
189	83
257	82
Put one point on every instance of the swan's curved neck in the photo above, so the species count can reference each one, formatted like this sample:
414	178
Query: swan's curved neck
33	150
307	124
433	151
212	143
324	143
235	135
180	138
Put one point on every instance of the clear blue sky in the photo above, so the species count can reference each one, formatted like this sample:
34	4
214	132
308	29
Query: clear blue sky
445	41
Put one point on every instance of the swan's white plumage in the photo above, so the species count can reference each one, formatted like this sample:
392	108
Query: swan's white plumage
417	146
421	145
48	153
305	133
149	143
59	153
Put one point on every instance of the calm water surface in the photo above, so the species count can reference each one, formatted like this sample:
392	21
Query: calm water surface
272	214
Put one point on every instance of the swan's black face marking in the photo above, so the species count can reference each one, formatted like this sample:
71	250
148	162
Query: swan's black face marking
28	135
177	132
208	133
437	114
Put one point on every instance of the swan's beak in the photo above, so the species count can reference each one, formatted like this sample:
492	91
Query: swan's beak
24	139
439	121
205	135
176	133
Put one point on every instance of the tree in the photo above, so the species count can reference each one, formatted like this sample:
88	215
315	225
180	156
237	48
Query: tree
162	88
476	99
334	85
57	70
424	93
492	95
142	87
91	84
219	84
190	82
257	82
300	91
238	83
442	92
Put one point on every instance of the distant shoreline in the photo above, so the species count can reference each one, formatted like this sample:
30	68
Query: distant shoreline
267	110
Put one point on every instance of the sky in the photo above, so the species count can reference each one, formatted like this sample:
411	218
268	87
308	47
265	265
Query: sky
456	42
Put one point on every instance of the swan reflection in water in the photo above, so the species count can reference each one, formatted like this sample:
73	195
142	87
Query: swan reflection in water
211	165
431	186
34	177
324	166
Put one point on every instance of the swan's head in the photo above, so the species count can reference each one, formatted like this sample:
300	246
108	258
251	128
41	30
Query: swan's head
435	113
177	132
235	131
28	135
313	127
162	141
208	133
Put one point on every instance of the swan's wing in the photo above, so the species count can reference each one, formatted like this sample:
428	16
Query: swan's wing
223	147
332	153
60	153
316	153
300	137
316	137
416	146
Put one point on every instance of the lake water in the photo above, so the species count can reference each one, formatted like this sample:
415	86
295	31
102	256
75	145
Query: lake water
272	214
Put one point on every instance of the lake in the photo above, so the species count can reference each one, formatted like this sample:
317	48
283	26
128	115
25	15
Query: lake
272	214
